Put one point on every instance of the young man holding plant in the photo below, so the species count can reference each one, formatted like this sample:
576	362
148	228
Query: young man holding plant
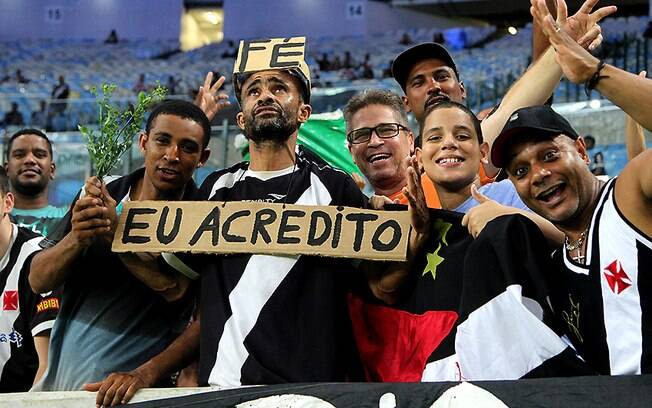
115	315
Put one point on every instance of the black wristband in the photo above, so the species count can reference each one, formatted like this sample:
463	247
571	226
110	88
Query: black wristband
593	81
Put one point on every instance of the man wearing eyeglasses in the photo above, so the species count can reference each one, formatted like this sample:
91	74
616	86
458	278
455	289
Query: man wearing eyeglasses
380	143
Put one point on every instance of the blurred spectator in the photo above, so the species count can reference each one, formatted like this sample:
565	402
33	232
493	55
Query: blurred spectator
349	74
405	39
20	78
316	78
387	72
648	30
231	50
13	117
112	38
367	71
58	123
336	64
597	158
140	85
40	117
438	37
349	61
324	63
60	94
172	85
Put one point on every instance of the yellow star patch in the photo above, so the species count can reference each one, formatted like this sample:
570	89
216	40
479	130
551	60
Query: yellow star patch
434	260
442	229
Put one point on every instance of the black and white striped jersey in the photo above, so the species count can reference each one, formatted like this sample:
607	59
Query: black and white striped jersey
607	308
23	315
273	319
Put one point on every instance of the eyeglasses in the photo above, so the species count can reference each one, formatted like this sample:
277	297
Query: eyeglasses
384	131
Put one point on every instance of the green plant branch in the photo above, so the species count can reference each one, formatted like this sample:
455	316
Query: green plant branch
117	127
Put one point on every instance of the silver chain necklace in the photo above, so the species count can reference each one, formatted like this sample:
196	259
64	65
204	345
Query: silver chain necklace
576	246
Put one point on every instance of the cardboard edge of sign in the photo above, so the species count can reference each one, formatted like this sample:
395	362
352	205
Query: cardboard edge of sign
400	258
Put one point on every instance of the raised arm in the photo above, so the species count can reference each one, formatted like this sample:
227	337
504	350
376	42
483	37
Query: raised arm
634	138
50	267
631	93
634	135
540	41
385	279
539	81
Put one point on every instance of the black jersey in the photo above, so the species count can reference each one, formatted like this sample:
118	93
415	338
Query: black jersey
271	319
474	309
24	314
607	304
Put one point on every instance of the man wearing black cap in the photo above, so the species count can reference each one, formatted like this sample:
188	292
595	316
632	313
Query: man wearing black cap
604	289
427	74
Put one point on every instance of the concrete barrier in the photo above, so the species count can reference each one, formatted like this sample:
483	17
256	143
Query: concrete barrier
84	399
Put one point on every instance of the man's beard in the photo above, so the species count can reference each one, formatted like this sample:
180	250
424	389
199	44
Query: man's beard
276	129
30	189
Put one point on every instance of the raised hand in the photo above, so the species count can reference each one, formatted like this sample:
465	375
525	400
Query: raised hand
209	100
577	64
419	213
581	27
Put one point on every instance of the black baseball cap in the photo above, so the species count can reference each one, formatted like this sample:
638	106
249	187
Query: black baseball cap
539	120
404	62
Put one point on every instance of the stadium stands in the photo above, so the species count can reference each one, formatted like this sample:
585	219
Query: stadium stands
487	71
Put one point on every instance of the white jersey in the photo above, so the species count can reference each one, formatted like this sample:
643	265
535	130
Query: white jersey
608	307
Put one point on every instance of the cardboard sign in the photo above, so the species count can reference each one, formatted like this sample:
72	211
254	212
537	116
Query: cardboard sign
261	228
273	53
